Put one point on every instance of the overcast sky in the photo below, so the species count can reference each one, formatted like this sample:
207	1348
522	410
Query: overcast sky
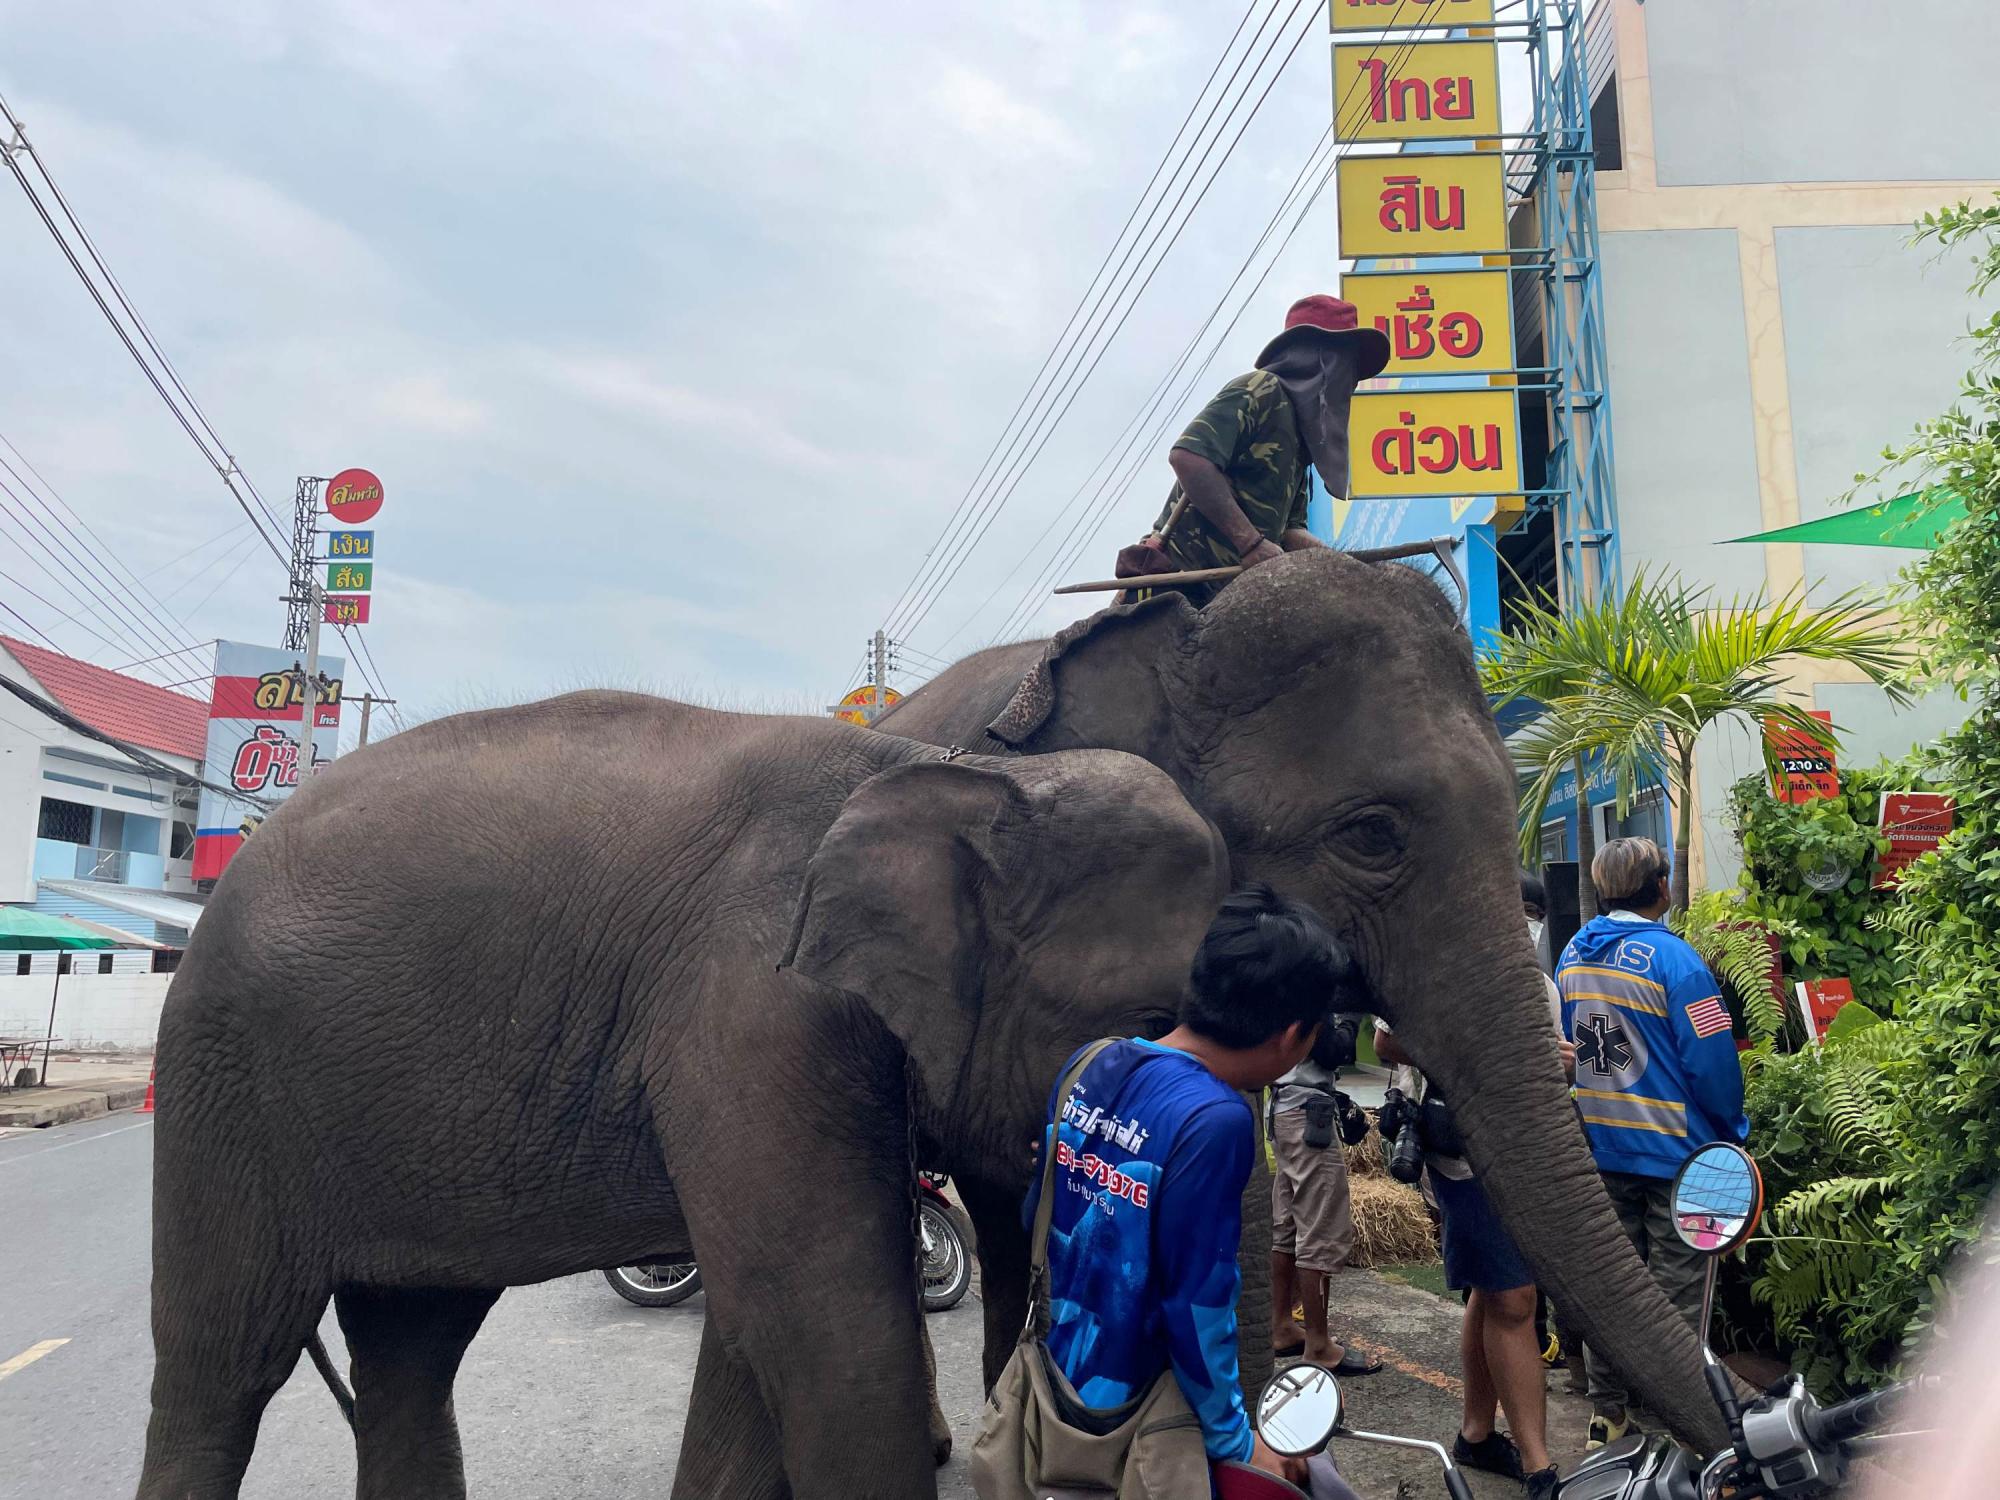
673	331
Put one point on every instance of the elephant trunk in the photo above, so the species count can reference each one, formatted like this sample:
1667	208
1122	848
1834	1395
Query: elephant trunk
1254	1313
1505	1087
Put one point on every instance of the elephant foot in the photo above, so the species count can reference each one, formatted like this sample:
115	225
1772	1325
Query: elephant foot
940	1436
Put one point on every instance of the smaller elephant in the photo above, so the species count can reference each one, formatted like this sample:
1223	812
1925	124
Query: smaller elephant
709	1002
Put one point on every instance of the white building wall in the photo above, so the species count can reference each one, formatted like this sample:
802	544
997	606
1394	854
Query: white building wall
92	1010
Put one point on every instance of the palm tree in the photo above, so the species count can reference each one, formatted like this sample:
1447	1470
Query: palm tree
1636	679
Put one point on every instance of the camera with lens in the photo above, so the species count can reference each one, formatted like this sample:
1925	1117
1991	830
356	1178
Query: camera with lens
1397	1120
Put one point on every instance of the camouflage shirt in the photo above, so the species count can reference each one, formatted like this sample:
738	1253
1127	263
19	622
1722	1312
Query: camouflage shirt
1249	433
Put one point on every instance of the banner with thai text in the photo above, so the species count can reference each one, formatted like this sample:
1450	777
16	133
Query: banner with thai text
1409	204
253	743
1439	322
1434	443
1418	91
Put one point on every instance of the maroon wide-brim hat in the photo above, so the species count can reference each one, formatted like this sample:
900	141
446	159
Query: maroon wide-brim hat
1325	318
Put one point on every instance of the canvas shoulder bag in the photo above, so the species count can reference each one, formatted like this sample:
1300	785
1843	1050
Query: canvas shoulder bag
1038	1441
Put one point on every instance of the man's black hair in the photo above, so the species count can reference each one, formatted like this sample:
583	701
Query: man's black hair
1533	893
1265	964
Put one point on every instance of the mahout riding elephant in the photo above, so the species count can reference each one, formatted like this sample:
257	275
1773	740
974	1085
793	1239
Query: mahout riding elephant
538	990
1325	715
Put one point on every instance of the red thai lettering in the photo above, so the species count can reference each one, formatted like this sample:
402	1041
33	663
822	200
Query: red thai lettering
1445	442
1451	218
1400	202
1460	335
1412	337
1394	450
1471	455
1400	100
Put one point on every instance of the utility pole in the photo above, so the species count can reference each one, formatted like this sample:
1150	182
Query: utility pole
307	606
881	676
367	702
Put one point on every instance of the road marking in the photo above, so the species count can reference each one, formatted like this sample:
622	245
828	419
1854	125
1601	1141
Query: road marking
29	1355
1395	1361
83	1141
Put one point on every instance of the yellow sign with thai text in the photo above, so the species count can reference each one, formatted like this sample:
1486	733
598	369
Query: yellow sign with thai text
1398	15
1422	205
1420	91
1405	443
1439	322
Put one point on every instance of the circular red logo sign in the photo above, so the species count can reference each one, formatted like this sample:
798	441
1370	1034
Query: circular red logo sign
353	495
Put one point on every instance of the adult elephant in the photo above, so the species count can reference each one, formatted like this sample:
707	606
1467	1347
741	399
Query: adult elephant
534	991
1326	716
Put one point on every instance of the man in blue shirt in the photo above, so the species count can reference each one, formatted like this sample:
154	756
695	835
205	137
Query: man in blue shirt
1153	1148
1657	1076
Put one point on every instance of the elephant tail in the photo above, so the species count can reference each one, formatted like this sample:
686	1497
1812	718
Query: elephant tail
316	1351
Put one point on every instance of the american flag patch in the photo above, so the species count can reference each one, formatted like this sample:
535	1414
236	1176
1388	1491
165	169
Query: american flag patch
1708	1016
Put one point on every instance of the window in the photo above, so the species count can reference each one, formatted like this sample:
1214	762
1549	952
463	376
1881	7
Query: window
1555	841
182	845
1646	818
65	822
95	786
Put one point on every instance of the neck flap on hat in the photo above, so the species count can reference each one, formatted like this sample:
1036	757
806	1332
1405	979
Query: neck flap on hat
1319	381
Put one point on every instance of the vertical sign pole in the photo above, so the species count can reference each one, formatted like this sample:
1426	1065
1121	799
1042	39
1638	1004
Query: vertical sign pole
367	702
314	608
881	675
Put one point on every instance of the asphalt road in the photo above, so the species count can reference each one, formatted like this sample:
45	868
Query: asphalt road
567	1391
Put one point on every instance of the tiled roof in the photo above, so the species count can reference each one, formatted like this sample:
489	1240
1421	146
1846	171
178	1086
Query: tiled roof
137	712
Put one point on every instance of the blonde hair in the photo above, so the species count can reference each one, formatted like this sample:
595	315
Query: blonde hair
1625	870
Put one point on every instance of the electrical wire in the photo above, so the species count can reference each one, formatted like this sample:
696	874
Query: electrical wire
1054	349
1049	409
1025	606
81	588
196	649
21	146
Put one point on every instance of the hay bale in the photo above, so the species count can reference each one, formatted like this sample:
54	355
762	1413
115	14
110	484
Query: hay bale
1368	1159
1391	1224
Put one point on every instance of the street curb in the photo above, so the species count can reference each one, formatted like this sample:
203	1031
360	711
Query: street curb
77	1107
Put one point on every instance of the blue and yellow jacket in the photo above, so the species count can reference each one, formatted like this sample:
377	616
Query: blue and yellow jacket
1656	1070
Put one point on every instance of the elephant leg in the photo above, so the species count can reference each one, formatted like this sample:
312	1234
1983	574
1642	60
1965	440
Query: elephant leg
406	1346
940	1428
726	1443
1254	1360
225	1339
1003	1270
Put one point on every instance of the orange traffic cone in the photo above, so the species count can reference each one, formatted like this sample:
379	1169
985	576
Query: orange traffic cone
147	1107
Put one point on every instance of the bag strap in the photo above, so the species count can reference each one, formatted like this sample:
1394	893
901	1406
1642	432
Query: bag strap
1038	1239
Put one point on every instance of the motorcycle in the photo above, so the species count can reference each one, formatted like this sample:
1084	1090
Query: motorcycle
1783	1446
944	1249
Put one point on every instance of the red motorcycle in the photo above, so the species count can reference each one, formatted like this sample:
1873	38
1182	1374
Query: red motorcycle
945	1248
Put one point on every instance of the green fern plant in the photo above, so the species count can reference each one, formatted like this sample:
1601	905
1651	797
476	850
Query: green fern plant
1736	946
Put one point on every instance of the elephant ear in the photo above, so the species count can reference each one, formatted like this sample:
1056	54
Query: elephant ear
1103	681
1068	890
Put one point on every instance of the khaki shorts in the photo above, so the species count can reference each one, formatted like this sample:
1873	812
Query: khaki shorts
1310	1217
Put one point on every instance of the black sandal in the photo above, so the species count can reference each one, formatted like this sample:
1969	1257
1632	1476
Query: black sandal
1356	1364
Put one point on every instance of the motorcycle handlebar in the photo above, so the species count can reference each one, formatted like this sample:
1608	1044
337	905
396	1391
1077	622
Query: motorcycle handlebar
1849	1419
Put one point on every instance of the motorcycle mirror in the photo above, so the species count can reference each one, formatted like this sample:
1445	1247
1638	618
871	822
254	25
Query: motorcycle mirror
1717	1197
1299	1410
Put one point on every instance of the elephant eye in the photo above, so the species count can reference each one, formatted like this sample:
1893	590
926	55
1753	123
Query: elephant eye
1374	837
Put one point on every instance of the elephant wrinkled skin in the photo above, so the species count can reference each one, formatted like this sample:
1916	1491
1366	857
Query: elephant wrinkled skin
629	978
1326	716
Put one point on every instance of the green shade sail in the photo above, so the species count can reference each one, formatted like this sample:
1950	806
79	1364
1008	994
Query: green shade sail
1915	521
21	928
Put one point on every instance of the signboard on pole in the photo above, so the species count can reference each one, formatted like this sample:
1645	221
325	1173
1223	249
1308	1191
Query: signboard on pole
1422	205
1418	91
349	577
254	719
1434	443
350	543
1397	15
1805	767
863	704
1439	322
353	496
345	609
1914	823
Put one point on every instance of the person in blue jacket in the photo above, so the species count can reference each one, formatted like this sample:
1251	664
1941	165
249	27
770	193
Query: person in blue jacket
1153	1148
1656	1076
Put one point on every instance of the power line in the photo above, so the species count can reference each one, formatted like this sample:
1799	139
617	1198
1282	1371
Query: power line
1096	512
83	591
196	649
1077	311
22	146
1071	373
227	531
72	619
